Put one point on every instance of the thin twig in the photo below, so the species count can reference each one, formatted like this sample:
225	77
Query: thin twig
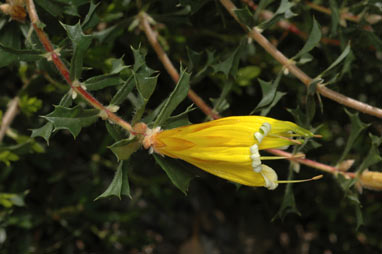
297	72
311	163
152	38
10	114
37	25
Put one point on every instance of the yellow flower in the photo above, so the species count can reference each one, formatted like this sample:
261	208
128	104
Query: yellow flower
228	147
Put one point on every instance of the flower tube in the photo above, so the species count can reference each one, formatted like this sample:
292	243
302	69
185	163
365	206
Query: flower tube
228	147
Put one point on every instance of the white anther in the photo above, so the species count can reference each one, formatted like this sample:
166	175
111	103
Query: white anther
254	149
259	137
270	177
266	127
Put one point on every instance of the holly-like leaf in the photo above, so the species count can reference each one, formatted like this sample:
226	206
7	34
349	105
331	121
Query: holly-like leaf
45	131
102	81
72	119
270	96
123	92
312	41
356	128
9	55
336	62
119	185
81	43
230	65
372	156
245	16
124	148
140	62
176	97
178	173
91	18
288	204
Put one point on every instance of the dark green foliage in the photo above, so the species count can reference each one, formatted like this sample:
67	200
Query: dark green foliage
102	192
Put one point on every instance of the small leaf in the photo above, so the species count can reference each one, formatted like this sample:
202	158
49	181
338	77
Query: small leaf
72	119
246	74
45	131
312	41
91	18
119	185
115	131
9	55
124	148
123	92
288	204
356	128
176	171
102	81
140	63
175	98
81	43
245	16
270	95
337	61
373	156
230	65
336	18
145	85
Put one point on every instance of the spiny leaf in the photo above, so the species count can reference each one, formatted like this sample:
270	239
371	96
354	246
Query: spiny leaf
81	43
124	148
245	16
312	41
176	171
9	55
140	62
45	131
102	81
123	92
356	128
229	66
91	18
120	183
175	98
337	61
288	204
373	156
72	119
145	85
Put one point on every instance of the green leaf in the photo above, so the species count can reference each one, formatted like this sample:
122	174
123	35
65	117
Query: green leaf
124	148
179	175
52	7
140	62
9	55
270	95
373	156
45	131
145	85
119	185
7	157
81	43
72	119
246	74
336	18
229	66
312	41
356	128
91	18
245	16
115	131
284	11
123	92
337	61
102	81
175	98
288	204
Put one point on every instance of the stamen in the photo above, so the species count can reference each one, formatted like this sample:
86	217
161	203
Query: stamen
302	180
265	128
